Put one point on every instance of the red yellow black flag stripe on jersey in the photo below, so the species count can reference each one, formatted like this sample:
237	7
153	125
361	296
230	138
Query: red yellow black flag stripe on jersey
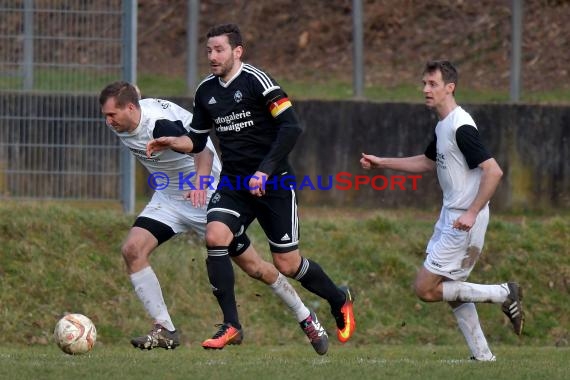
279	106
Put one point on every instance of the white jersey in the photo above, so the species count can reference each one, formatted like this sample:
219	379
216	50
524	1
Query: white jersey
458	183
175	166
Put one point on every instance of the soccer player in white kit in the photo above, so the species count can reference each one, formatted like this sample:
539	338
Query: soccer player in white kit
174	209
468	176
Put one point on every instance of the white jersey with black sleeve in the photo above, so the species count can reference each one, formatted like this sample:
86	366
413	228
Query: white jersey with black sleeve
457	150
164	118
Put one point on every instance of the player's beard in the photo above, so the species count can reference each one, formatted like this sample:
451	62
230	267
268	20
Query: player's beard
225	69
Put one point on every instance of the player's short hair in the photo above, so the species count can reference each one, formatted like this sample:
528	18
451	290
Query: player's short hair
123	92
230	30
448	71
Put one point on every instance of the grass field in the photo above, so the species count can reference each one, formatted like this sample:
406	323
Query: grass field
168	86
284	362
161	86
57	258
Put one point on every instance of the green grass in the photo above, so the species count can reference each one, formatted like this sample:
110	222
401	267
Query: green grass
152	85
162	86
284	362
65	257
333	89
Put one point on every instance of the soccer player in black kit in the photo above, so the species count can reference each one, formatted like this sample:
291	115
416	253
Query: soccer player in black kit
257	127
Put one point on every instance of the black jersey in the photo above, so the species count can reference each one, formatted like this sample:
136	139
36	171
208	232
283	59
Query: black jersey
253	119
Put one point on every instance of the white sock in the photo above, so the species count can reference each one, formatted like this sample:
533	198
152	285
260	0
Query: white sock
468	321
468	292
287	293
149	292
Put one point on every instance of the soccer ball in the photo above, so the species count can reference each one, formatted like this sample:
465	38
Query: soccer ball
75	334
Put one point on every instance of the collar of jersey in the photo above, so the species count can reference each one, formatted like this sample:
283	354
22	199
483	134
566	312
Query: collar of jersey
226	84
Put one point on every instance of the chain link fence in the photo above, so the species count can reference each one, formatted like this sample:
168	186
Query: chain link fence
55	56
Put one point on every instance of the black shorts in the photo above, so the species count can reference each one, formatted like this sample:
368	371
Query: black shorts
276	212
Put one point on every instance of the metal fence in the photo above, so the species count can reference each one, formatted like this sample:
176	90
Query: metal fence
55	56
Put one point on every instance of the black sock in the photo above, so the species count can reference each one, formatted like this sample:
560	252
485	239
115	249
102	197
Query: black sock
314	279
221	276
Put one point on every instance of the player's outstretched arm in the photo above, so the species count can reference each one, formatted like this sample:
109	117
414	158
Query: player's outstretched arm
180	144
369	161
414	164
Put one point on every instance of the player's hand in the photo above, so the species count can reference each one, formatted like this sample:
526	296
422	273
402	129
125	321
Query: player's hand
368	161
197	197
465	221
156	145
257	184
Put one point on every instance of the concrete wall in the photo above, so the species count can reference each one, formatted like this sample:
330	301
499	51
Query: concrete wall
530	142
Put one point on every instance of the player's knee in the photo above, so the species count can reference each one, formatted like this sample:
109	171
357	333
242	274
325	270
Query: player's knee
218	237
285	270
213	239
424	294
130	252
285	265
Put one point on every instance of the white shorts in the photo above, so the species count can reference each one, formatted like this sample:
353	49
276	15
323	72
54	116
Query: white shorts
453	253
176	212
